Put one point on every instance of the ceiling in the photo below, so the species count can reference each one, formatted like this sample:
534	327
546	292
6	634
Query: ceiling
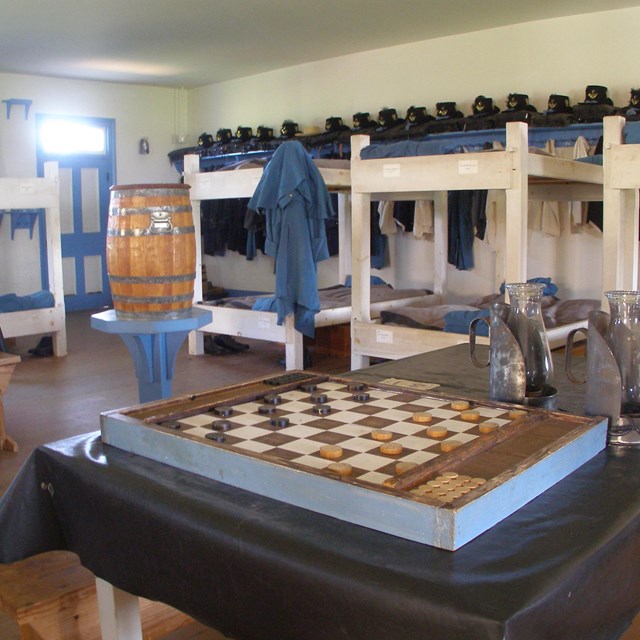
192	43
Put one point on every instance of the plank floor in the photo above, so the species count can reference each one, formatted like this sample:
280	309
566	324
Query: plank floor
51	398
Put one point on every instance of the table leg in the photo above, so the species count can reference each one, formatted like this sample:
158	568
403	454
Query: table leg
119	613
7	443
154	357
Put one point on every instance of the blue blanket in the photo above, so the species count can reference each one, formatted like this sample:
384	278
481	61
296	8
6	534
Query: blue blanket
39	300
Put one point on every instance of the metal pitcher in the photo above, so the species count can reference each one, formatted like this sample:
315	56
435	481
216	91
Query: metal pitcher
521	368
507	380
613	366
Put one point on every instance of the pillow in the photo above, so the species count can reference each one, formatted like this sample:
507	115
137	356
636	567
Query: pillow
568	311
422	317
459	321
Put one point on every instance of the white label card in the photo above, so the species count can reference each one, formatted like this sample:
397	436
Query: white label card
384	336
264	324
391	170
413	385
467	167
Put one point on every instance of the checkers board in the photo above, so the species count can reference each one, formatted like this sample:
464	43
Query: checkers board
427	467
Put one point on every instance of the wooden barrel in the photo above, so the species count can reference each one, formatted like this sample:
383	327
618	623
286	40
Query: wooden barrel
151	251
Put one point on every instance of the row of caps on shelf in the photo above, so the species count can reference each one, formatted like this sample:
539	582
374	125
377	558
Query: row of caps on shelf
484	115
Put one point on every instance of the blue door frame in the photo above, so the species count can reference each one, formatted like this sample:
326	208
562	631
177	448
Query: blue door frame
79	245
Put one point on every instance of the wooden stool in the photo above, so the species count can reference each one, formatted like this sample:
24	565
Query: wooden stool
8	363
51	596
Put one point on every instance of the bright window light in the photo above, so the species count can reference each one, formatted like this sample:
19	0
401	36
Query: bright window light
63	136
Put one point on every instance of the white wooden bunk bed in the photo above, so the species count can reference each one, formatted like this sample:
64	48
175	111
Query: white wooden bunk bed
262	325
522	175
621	163
39	193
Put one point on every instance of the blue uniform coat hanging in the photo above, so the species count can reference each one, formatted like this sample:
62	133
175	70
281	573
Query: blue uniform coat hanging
294	199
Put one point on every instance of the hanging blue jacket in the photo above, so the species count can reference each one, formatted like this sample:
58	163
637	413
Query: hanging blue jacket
294	199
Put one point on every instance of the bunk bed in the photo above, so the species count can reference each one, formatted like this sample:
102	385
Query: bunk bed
621	164
39	193
522	174
262	325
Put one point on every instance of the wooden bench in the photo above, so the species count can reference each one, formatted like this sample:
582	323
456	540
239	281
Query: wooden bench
8	363
51	596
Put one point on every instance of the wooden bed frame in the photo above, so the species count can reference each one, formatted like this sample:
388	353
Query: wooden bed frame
262	325
39	193
522	175
621	163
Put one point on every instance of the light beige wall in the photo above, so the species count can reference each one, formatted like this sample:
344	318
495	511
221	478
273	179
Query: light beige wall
139	111
538	58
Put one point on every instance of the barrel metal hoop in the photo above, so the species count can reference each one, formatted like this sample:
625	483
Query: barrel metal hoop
136	233
152	299
186	277
176	190
132	211
174	314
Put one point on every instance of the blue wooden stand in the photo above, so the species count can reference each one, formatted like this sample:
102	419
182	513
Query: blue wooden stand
153	345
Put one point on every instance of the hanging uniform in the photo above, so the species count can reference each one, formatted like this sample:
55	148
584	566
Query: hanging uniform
295	201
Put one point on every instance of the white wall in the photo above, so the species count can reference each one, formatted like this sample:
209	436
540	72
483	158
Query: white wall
539	58
139	111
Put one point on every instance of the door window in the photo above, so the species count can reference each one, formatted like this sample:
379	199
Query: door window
65	136
83	148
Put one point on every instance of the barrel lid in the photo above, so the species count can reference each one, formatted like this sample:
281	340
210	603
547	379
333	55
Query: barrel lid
140	187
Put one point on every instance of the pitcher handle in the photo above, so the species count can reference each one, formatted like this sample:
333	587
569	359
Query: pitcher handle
568	356
472	342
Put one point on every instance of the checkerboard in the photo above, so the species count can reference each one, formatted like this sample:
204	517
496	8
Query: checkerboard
267	436
349	424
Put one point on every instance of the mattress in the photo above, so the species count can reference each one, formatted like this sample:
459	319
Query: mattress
456	317
332	297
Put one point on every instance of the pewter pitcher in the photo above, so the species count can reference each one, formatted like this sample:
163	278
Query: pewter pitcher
613	366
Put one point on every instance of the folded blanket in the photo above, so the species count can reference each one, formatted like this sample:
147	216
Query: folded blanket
39	300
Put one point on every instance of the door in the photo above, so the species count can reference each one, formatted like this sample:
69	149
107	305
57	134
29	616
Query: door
85	151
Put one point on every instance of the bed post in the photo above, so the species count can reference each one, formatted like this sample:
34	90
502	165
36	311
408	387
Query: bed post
191	170
54	258
344	237
620	217
360	256
440	244
517	197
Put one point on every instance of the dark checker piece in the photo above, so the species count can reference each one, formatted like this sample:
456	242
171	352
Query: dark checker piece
216	437
356	386
279	422
221	425
223	412
309	387
266	409
272	398
321	409
319	398
361	397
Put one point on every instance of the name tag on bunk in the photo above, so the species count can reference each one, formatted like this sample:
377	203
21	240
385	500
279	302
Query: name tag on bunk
384	336
391	170
467	167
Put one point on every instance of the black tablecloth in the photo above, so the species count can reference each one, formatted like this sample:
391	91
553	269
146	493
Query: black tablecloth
565	566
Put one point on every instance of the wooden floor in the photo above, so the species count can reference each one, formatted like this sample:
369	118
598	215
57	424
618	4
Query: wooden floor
53	398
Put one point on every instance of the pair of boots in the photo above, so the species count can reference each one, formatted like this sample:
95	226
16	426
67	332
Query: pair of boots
43	348
217	345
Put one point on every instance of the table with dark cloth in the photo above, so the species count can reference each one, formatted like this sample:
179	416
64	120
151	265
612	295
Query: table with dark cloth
565	566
